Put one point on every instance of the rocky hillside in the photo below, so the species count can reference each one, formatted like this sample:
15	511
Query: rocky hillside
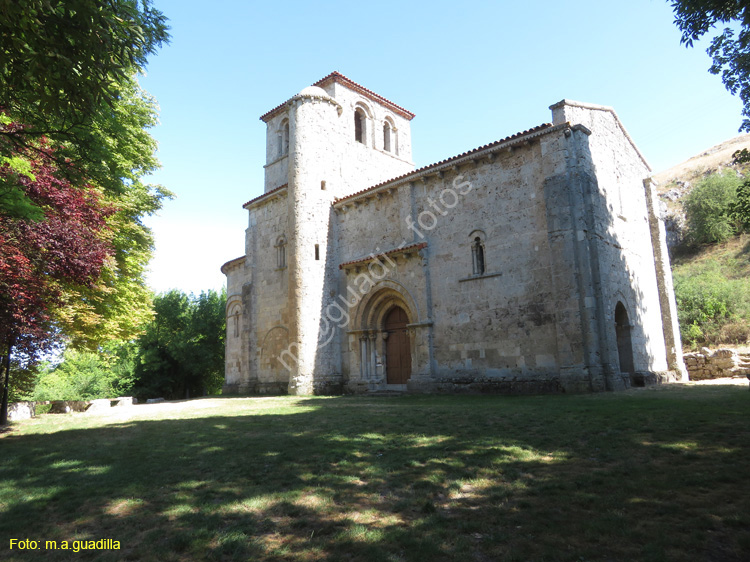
673	184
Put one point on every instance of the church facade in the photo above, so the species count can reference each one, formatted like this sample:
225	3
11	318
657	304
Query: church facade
533	264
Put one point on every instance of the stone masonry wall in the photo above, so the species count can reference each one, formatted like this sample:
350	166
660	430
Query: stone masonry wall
720	363
624	252
268	316
495	330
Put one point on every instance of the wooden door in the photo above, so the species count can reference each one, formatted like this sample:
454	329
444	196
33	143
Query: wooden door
397	347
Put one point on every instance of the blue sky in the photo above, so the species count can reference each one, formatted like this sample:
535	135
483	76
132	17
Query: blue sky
472	72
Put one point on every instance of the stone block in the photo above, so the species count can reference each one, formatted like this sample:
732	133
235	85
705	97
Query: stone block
21	411
67	406
99	405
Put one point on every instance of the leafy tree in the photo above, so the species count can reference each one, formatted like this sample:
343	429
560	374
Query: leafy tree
205	349
64	66
730	53
181	353
69	98
708	208
40	259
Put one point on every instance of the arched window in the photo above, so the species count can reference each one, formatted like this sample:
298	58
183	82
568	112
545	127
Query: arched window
360	127
477	256
283	138
387	136
233	320
281	252
390	136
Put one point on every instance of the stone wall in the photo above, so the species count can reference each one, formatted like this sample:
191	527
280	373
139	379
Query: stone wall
26	410
21	410
716	364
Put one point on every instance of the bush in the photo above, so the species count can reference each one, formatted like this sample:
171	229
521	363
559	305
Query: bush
740	210
709	206
711	307
735	332
82	375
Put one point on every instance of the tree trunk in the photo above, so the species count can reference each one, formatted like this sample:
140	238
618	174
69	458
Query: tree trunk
5	366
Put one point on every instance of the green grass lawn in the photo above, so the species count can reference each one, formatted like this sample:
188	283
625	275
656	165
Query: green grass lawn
648	474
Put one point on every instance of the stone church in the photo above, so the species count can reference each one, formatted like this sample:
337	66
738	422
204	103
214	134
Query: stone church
533	264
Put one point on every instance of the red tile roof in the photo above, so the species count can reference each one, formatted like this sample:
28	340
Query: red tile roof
231	262
267	193
515	137
417	246
341	79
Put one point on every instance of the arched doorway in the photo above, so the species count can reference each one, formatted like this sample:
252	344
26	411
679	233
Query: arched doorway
397	347
624	342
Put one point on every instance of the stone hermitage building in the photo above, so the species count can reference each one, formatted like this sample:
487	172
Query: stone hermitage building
533	264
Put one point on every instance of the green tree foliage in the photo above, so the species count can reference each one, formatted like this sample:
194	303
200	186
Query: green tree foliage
117	308
64	66
708	208
23	379
82	375
730	53
181	352
740	210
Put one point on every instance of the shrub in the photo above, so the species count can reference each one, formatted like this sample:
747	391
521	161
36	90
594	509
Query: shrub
734	332
740	209
711	307
702	301
708	208
82	375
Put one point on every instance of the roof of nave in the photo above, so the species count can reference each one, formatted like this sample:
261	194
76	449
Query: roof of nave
230	263
507	141
266	194
400	249
352	85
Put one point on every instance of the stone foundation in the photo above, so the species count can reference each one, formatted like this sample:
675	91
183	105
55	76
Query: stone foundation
720	363
651	378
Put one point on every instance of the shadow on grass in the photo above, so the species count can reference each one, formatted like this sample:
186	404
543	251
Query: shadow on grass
643	476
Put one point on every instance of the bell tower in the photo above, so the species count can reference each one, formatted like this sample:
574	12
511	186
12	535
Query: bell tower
332	139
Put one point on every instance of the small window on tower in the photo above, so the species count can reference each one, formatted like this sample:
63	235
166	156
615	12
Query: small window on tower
387	136
477	255
317	252
286	138
359	125
281	252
